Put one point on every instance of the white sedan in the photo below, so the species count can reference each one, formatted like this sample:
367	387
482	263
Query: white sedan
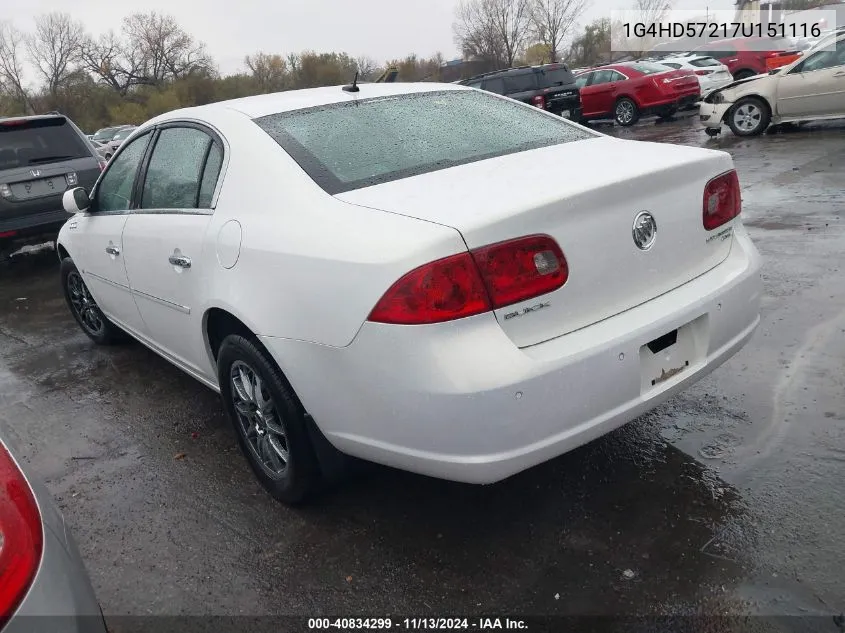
423	275
810	88
711	73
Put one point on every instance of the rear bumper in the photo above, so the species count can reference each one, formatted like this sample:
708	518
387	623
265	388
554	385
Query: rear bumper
459	401
34	223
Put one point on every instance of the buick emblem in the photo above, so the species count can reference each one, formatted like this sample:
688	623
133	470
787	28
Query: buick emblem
35	172
644	230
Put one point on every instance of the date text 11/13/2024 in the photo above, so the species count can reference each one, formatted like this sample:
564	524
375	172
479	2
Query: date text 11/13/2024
416	624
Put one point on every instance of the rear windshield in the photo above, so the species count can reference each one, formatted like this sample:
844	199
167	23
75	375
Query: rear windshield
38	142
106	134
703	62
648	68
356	144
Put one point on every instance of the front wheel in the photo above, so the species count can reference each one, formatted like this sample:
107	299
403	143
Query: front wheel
749	117
626	112
269	420
84	308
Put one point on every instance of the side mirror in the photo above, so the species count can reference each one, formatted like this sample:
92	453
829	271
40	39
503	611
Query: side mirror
76	200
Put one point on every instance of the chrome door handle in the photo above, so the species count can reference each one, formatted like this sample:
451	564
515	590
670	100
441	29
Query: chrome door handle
180	260
111	249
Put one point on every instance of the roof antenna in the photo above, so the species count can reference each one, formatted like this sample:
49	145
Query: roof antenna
353	87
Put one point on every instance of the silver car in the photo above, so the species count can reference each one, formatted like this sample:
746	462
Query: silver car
41	572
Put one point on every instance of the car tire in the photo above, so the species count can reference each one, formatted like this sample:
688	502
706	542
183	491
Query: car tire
84	308
626	112
666	113
269	420
745	73
711	132
749	117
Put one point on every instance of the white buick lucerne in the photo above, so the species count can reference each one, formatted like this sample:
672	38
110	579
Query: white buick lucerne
422	275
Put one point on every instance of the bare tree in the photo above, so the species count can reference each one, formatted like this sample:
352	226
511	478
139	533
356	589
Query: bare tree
56	48
652	11
269	71
494	30
166	51
11	63
367	67
551	21
113	62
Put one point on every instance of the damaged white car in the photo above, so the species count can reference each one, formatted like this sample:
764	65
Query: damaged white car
811	88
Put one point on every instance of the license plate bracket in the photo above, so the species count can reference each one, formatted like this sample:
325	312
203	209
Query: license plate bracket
665	357
38	188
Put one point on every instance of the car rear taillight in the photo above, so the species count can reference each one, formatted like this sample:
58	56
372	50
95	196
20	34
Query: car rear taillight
446	289
539	101
21	538
722	202
8	234
704	72
471	283
520	269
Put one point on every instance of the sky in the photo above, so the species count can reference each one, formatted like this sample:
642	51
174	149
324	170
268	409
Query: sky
381	29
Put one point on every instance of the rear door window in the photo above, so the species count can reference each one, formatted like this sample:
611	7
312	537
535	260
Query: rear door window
704	62
174	176
559	77
496	85
523	82
27	142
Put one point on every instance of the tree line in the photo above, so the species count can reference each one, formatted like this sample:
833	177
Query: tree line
151	64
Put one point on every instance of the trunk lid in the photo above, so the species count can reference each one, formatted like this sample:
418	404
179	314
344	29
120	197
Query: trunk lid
585	195
681	80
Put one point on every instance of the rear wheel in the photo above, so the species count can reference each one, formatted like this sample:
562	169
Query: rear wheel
269	420
667	112
749	117
84	308
745	73
626	112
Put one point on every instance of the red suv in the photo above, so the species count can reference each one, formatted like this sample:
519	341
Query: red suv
743	56
628	90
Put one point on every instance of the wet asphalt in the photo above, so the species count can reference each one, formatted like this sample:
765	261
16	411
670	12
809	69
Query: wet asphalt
729	499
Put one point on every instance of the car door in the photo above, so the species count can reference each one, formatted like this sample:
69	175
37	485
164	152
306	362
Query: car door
99	232
165	240
603	90
815	87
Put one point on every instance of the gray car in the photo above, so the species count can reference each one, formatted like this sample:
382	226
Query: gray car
43	582
40	158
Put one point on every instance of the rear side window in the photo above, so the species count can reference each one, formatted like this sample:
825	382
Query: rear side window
496	85
704	62
559	77
175	174
523	82
27	142
721	54
671	65
648	68
351	145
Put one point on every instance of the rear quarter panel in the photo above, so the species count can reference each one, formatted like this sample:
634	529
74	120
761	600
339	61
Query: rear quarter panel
310	267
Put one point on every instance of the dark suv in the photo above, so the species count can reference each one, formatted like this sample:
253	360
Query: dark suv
550	87
40	158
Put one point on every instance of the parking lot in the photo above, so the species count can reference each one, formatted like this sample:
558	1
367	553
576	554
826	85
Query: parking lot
728	499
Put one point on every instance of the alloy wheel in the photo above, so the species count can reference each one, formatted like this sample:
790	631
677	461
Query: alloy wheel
84	305
747	117
624	112
259	419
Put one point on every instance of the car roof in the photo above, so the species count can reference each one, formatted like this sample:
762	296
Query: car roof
33	117
290	100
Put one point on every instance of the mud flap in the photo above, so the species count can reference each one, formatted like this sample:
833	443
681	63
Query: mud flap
334	465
